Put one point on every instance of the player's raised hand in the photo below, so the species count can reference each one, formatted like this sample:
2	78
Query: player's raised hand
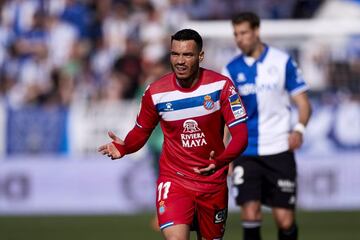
110	149
210	169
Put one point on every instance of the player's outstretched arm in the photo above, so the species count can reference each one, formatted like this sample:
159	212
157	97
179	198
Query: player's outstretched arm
112	149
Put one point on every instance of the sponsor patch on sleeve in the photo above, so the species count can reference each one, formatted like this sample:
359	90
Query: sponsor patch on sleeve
237	107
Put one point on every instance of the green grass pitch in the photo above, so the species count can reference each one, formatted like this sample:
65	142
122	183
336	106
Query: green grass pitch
313	226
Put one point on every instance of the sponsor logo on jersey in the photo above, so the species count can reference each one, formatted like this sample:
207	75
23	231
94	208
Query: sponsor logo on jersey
191	126
161	207
251	88
292	200
220	216
208	102
236	106
168	107
192	135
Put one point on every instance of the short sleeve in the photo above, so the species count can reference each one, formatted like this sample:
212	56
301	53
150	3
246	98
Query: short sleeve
294	82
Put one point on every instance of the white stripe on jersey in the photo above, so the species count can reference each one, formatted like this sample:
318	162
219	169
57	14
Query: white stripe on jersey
177	95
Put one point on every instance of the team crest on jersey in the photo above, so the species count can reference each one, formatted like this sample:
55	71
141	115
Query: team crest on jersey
161	207
208	102
192	135
236	106
241	77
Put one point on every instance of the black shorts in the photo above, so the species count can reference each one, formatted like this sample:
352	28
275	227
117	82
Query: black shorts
270	179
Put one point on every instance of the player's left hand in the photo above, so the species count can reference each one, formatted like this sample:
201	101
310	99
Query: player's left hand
209	169
295	140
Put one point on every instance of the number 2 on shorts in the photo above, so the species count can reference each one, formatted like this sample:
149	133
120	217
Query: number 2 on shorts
238	175
163	190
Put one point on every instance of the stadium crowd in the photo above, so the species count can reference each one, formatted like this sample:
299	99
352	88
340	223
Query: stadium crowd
60	51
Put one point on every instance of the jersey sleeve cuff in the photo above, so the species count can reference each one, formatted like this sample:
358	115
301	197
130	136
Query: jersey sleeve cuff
237	121
299	90
120	148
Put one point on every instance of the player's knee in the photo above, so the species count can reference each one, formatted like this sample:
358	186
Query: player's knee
286	224
251	212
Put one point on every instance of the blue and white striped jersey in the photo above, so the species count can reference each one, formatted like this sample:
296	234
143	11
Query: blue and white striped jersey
265	86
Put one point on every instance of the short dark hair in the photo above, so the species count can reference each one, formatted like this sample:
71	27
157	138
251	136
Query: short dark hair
249	17
188	34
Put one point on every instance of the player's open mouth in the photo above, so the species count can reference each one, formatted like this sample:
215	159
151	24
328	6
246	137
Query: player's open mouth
181	68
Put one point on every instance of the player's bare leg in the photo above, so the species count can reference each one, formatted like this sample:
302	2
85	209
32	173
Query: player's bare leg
285	221
251	220
154	223
177	232
251	211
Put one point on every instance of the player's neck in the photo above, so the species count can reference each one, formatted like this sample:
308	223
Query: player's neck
258	51
188	82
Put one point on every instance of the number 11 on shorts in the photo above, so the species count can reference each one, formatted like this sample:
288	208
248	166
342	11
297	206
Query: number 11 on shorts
163	190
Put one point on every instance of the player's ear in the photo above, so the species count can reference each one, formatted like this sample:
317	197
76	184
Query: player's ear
201	55
257	32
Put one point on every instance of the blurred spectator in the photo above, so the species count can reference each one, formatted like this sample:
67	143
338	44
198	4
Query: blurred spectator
18	14
116	88
116	29
174	13
86	84
102	59
153	35
61	40
130	64
76	13
314	60
10	70
33	41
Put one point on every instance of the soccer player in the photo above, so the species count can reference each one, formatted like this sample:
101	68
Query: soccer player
193	105
267	79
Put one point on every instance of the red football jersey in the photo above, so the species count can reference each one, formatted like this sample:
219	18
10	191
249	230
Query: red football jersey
193	123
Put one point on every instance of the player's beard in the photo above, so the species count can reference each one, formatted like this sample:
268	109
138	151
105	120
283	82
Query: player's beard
192	71
189	79
250	51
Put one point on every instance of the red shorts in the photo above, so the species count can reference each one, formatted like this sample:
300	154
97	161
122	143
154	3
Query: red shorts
204	212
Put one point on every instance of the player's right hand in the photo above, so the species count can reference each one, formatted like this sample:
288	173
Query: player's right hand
110	149
210	169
